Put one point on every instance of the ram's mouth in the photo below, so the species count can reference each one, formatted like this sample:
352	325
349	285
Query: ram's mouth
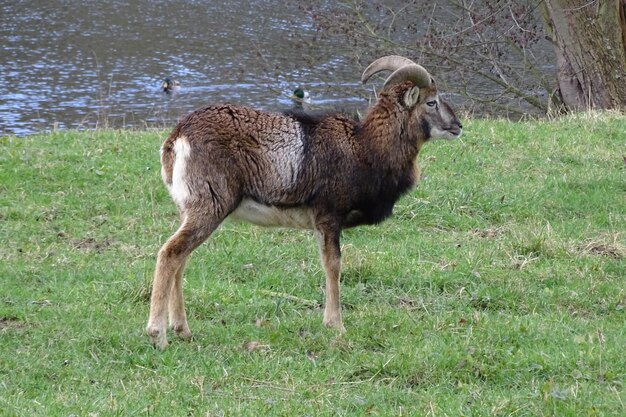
455	131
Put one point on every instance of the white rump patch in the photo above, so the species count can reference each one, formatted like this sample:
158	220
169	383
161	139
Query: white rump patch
179	189
272	216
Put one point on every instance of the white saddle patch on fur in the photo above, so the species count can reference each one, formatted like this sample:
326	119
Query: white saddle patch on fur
272	216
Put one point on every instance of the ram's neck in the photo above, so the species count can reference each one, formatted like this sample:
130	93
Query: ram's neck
389	137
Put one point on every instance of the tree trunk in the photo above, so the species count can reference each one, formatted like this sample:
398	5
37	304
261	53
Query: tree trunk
590	41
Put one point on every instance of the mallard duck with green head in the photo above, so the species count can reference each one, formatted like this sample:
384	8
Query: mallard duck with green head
300	98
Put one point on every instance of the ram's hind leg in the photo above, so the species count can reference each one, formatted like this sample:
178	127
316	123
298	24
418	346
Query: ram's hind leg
177	315
168	279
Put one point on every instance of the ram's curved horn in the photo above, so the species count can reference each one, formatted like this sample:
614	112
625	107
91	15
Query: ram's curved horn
403	69
385	63
415	73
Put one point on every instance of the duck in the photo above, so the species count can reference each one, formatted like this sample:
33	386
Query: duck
300	98
170	86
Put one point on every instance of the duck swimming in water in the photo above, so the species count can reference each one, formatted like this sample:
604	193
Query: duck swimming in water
170	86
300	98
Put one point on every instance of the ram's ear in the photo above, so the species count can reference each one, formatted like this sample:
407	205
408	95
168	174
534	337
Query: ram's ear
411	97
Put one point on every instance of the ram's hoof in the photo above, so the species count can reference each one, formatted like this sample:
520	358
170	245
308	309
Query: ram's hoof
158	337
183	333
336	325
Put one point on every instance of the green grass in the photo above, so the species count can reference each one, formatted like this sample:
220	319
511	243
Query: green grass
497	289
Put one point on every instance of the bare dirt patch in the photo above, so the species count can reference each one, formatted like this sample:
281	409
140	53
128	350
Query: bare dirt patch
10	323
604	250
487	233
91	244
603	247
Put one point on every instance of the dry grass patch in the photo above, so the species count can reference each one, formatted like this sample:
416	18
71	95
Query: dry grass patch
607	245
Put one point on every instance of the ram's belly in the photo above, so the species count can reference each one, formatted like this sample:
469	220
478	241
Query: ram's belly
272	216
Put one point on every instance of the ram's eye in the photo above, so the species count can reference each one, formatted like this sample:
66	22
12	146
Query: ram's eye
431	103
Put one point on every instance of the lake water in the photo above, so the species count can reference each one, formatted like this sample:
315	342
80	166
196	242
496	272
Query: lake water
84	64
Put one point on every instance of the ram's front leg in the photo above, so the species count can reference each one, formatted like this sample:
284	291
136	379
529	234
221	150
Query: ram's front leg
330	253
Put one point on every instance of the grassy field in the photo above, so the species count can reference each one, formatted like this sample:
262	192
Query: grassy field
497	289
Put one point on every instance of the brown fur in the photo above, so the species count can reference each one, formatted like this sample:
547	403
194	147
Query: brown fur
329	172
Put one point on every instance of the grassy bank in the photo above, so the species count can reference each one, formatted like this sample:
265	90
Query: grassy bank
497	289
